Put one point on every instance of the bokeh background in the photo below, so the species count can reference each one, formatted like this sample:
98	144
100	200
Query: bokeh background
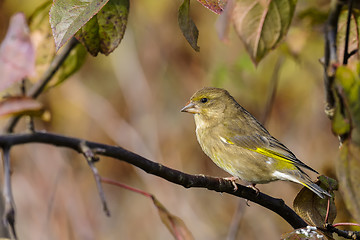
133	97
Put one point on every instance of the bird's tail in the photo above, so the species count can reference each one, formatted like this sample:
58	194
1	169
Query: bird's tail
305	180
302	178
316	189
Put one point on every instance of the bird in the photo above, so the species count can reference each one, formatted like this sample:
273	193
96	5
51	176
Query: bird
239	144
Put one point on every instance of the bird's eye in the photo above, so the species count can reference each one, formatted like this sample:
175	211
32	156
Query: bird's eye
203	100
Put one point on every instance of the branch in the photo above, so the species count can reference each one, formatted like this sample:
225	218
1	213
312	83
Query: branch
91	159
346	47
343	233
9	212
186	180
331	58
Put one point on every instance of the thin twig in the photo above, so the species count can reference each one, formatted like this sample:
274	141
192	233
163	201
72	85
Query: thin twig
91	159
346	224
327	211
348	22
9	213
187	180
35	91
331	58
23	88
343	233
165	215
112	182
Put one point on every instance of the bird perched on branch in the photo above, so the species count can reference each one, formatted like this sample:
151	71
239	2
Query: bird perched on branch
236	142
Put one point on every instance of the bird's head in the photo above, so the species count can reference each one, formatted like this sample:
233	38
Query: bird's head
209	102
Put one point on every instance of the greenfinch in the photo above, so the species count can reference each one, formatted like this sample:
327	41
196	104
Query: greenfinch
238	143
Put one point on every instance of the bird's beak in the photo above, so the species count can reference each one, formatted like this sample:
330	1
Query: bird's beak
190	108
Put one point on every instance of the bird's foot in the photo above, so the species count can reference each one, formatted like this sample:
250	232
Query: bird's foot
254	188
232	180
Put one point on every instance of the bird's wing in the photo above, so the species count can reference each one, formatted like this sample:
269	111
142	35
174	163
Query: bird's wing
264	144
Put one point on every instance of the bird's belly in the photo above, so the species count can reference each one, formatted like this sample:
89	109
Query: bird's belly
245	164
247	168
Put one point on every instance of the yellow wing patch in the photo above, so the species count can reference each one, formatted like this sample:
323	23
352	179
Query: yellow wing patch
284	162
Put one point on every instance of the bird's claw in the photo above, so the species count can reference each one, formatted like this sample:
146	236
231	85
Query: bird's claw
232	180
252	186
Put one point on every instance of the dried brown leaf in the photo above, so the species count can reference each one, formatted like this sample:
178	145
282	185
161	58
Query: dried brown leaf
20	106
217	6
312	208
262	24
175	225
17	54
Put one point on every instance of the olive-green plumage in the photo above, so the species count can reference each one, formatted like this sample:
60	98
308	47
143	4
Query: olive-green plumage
239	144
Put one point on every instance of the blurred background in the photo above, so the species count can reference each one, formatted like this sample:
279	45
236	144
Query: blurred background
133	97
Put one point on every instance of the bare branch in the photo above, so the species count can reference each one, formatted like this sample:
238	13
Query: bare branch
346	48
9	213
343	233
91	159
186	180
331	58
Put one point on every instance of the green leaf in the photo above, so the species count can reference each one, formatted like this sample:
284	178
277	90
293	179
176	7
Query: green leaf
340	124
104	32
348	81
187	25
41	35
348	173
68	16
174	224
45	48
72	64
261	25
